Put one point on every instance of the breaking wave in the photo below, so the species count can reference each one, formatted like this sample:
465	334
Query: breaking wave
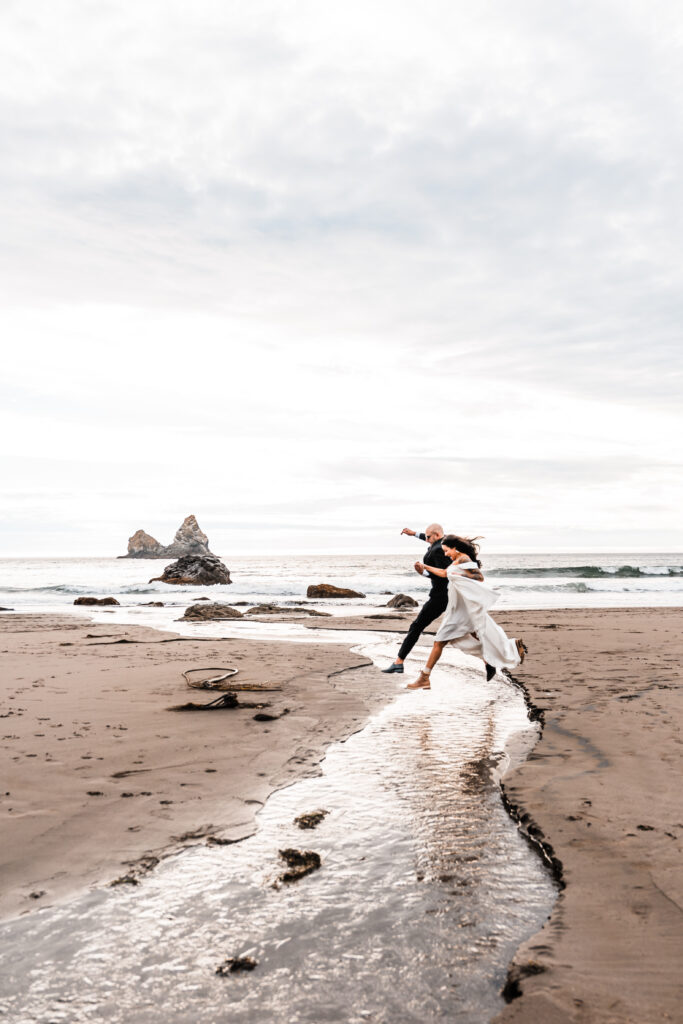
593	571
66	588
578	587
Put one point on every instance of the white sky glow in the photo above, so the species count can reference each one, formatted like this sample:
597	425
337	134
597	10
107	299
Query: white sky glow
315	272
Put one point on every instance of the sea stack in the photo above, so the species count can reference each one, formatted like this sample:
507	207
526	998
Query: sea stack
190	539
142	545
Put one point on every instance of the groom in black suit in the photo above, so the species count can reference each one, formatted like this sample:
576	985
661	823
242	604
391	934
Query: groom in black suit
435	605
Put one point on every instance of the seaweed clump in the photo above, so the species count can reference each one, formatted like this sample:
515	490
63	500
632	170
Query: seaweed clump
311	820
300	863
516	973
234	964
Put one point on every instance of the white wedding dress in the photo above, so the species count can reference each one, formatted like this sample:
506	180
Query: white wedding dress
467	613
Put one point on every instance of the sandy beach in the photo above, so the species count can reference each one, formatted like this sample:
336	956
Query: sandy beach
100	779
603	788
129	781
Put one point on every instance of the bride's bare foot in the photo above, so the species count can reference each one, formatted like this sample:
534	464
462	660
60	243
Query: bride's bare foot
522	650
421	683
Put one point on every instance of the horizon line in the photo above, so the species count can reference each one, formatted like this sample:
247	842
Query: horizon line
358	554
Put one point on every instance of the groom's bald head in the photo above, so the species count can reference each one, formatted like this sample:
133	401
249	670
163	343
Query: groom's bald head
433	532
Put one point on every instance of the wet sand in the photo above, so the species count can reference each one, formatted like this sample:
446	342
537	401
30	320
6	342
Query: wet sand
424	892
99	779
601	789
602	792
604	787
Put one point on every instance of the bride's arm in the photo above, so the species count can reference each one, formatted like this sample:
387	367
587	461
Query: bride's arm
443	572
420	566
430	568
473	574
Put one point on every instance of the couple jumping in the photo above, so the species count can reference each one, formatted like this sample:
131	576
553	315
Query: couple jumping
457	589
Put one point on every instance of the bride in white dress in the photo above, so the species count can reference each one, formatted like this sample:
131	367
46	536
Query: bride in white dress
466	622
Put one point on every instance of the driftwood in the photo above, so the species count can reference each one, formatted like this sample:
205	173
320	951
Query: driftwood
168	640
211	682
228	699
215	682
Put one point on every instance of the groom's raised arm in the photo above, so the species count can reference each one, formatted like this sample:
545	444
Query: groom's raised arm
412	533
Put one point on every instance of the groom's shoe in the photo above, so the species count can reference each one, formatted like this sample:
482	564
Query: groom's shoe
393	668
490	672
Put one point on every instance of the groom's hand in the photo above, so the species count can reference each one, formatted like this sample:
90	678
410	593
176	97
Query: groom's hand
419	567
408	531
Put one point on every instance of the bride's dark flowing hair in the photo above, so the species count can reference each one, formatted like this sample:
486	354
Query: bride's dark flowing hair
466	546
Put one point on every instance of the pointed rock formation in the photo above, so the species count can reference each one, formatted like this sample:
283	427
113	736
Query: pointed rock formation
190	539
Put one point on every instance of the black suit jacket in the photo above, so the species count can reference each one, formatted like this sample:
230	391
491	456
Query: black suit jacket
436	556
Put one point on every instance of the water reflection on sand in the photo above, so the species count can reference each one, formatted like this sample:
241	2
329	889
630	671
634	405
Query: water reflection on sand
425	891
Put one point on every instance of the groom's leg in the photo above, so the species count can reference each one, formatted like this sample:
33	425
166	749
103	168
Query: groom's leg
430	611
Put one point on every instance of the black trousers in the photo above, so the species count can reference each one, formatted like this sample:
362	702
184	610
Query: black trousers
434	606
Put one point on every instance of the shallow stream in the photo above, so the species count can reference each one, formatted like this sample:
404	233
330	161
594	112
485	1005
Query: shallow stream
425	890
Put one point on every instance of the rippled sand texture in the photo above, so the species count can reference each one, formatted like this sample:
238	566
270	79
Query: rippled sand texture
425	891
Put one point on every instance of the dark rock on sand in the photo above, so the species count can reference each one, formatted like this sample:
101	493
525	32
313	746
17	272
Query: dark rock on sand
190	539
193	570
6	609
152	604
300	862
401	601
329	590
264	716
273	609
206	612
96	600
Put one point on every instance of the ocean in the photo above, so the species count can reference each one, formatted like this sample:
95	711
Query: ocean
428	887
523	581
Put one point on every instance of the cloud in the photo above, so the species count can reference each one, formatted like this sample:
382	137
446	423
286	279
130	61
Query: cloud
284	240
496	472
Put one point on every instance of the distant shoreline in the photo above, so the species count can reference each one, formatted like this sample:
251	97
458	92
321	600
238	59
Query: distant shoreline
402	553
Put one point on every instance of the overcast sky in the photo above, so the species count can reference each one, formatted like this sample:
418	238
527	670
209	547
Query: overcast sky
316	271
